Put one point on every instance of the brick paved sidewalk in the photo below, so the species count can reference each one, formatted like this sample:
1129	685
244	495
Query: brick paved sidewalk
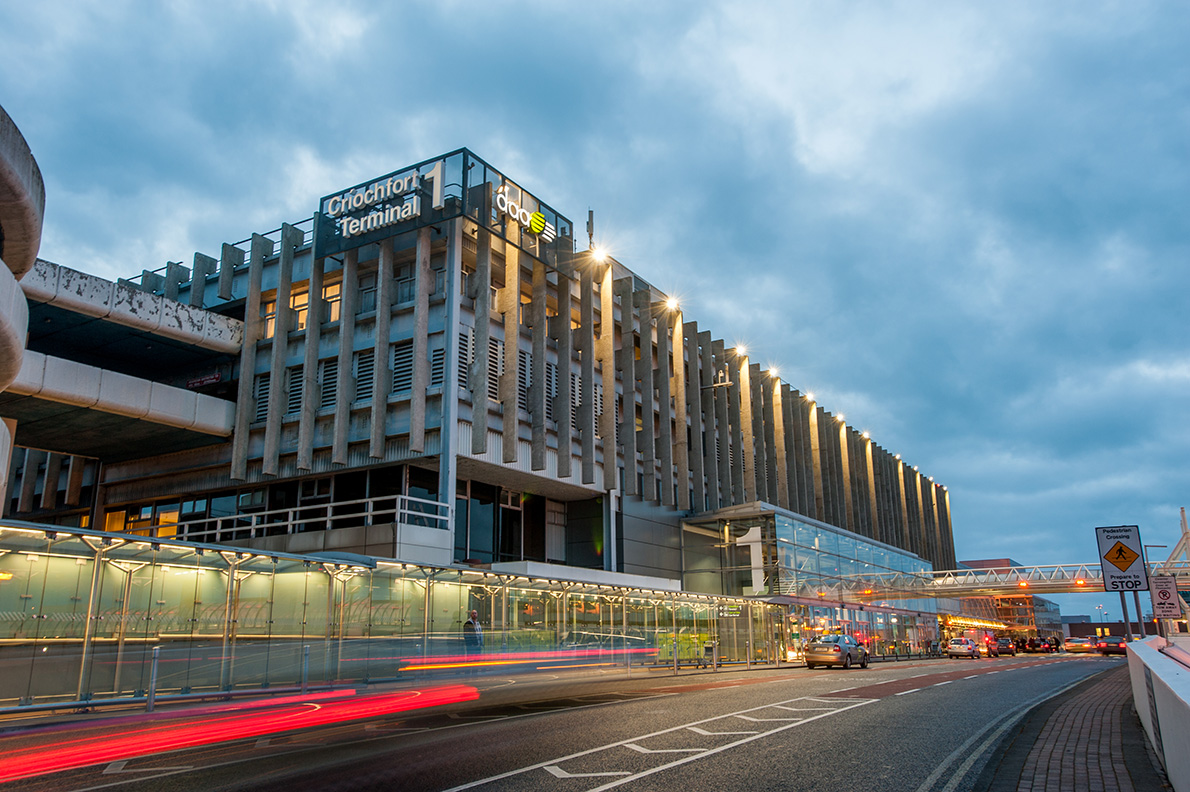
1086	740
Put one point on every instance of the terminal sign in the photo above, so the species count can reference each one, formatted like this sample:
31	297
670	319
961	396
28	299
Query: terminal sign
1120	556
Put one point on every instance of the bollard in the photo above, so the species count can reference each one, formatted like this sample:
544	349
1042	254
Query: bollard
305	668
152	697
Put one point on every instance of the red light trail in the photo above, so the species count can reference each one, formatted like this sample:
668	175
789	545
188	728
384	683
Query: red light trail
235	722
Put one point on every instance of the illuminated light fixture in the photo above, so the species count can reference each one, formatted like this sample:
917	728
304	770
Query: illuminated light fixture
599	254
1023	583
809	397
1080	582
5	576
671	303
741	350
867	436
772	372
840	417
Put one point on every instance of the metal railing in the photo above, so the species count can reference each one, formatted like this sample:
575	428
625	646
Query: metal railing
404	510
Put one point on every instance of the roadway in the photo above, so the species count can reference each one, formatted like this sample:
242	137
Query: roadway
924	726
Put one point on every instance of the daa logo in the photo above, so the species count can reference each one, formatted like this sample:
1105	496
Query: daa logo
534	221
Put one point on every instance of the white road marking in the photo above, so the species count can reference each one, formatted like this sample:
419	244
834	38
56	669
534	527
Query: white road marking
118	767
552	766
558	772
639	749
907	692
706	733
997	729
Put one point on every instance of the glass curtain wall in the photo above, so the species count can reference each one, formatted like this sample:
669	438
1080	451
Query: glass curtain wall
864	587
88	615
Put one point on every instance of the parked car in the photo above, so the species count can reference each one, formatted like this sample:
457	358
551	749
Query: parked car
962	647
840	650
1111	644
1006	646
1080	645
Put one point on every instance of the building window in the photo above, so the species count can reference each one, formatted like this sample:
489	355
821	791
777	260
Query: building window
403	367
262	397
295	385
465	358
268	312
367	292
495	367
328	379
437	368
365	367
332	294
406	282
300	303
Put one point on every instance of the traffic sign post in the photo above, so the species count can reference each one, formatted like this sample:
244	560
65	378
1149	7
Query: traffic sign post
1121	556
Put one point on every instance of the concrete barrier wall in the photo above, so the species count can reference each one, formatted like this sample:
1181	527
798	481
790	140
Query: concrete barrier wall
124	304
1161	693
14	325
68	382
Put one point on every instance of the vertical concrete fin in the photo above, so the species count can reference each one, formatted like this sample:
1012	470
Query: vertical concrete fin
646	439
586	408
424	281
696	416
509	305
49	484
605	354
723	431
477	377
345	386
382	371
779	470
76	465
203	266
310	383
229	258
626	368
665	411
537	384
261	248
291	238
563	334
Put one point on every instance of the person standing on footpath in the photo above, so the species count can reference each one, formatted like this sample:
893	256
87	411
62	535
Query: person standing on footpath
472	638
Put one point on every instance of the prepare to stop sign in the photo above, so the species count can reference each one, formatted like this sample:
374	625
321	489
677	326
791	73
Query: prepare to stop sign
1121	558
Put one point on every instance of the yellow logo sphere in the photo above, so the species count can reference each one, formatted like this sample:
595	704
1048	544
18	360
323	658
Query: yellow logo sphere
537	222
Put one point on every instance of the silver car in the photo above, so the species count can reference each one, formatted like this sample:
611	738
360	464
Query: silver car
840	650
962	647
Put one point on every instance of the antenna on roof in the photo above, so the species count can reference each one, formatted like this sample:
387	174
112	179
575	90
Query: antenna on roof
590	228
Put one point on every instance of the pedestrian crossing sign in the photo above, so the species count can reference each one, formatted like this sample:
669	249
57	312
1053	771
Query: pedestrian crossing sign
1120	557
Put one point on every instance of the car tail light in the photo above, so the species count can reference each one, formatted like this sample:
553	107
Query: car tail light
837	648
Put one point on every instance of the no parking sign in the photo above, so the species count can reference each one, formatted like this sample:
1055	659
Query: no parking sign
1164	591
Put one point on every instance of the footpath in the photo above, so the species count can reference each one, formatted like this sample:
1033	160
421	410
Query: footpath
1088	739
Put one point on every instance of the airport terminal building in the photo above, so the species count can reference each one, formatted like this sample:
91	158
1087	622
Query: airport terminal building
428	370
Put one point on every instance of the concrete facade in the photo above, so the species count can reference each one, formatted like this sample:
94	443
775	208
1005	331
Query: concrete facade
523	401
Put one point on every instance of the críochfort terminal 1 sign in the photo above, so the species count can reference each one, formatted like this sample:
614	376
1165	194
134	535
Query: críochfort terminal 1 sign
458	183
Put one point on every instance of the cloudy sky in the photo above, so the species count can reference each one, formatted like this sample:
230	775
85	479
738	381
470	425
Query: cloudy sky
963	226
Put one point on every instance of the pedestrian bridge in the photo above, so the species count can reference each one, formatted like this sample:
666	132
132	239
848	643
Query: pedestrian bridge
1000	581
